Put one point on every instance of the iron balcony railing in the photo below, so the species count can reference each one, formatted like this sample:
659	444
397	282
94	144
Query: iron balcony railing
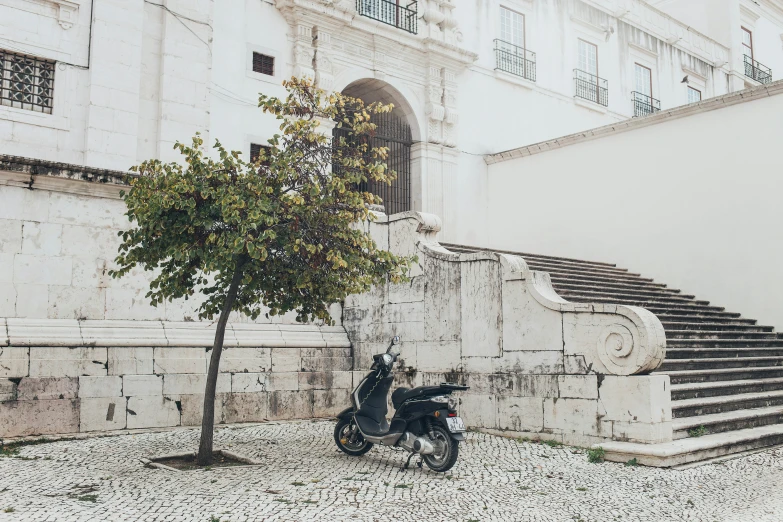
644	105
591	87
756	71
391	12
515	60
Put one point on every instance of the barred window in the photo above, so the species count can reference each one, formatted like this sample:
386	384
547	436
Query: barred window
263	64
27	82
255	152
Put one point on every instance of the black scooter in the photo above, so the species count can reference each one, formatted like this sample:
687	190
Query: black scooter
425	422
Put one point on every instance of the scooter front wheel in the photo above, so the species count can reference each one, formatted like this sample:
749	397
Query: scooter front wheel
446	451
349	439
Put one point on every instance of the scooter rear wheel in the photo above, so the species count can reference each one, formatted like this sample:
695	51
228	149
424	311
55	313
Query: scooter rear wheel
446	453
349	440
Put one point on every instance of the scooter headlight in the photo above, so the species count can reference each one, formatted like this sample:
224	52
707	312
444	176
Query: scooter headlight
387	359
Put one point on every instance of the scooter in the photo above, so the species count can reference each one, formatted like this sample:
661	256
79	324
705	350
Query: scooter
425	421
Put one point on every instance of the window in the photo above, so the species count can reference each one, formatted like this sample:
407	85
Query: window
747	43
643	79
27	82
263	64
255	152
694	95
588	58
512	27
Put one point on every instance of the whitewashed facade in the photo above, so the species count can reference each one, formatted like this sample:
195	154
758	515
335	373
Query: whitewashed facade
133	77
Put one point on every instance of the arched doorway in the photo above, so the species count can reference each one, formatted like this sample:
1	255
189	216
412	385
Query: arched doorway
394	132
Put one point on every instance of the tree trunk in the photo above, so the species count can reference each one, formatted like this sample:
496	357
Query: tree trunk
208	420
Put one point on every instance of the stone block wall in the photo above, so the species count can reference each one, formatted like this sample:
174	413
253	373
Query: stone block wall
535	363
268	372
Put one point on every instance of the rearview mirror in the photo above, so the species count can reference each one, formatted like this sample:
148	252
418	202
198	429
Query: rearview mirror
396	339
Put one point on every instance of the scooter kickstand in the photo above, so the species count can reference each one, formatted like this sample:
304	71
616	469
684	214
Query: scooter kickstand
420	463
408	462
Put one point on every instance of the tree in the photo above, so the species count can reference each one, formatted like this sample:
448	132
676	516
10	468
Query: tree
276	234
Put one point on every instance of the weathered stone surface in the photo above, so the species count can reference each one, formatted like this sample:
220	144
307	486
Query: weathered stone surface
142	385
529	362
14	362
7	390
328	403
72	302
249	382
526	324
67	362
282	381
42	239
192	384
286	360
479	410
109	386
247	360
21	418
481	313
152	412
130	360
324	380
246	407
437	356
326	364
637	398
10	236
520	413
578	386
290	405
103	414
193	409
44	388
179	360
571	415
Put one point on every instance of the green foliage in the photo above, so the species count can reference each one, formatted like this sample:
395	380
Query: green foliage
697	432
552	443
286	222
12	448
632	463
596	455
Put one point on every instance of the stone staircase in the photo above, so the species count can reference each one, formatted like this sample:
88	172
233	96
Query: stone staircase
726	371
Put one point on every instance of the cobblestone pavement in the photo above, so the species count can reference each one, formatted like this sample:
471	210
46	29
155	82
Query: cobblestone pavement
306	478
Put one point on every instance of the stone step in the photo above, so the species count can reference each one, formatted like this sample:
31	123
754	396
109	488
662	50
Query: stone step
632	295
721	353
728	421
728	374
691	315
605	289
596	276
629	284
725	325
672	334
693	449
724	343
575	275
695	390
653	306
724	403
468	249
722	363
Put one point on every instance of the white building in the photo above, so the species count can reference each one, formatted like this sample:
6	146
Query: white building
108	83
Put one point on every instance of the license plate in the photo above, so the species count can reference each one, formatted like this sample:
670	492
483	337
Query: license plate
455	424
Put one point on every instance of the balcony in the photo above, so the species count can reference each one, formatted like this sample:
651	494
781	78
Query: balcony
515	60
755	71
590	87
644	105
390	12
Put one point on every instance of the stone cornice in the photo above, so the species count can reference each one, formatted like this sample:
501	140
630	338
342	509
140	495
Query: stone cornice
36	167
710	104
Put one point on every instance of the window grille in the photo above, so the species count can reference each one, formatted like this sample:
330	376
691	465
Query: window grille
255	152
263	64
396	13
27	82
694	95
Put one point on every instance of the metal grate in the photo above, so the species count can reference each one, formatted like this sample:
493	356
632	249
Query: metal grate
515	60
27	82
263	64
591	87
395	134
391	12
756	71
644	105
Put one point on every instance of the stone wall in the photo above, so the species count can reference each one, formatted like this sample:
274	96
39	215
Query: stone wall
68	376
535	363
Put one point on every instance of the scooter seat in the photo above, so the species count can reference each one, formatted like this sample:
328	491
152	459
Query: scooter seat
401	395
